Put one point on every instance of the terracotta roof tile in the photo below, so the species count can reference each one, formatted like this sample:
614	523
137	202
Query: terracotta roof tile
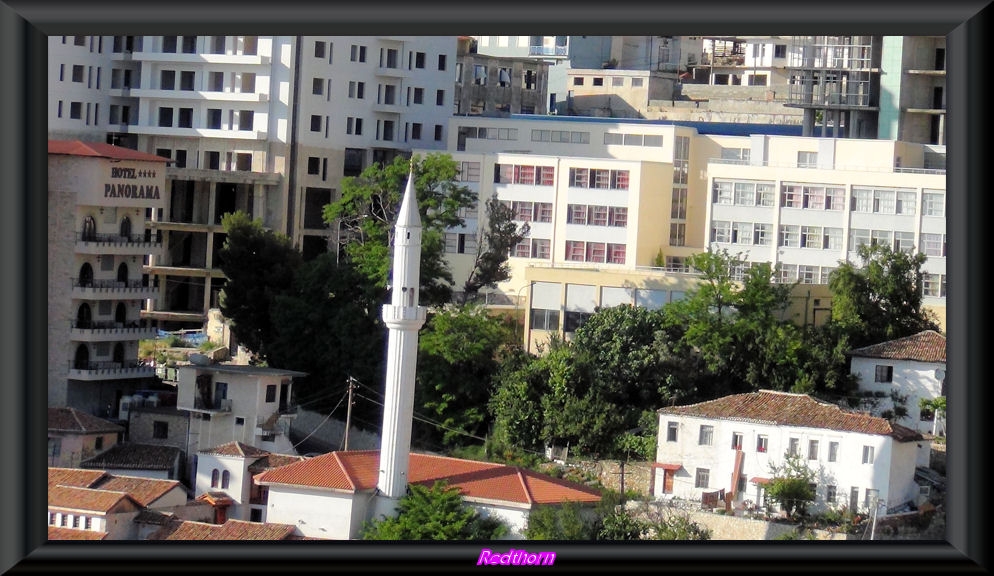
785	409
927	346
145	490
75	498
73	420
230	530
73	477
100	150
135	457
272	461
237	449
358	470
60	533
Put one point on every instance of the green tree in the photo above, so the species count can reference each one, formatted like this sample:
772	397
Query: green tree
328	326
791	485
366	214
565	521
500	237
679	527
620	525
434	513
260	265
520	383
457	357
879	299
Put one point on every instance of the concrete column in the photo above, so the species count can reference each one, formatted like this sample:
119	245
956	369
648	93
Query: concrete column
808	123
211	201
942	129
259	202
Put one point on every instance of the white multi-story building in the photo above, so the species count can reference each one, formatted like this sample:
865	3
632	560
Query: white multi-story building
264	124
730	445
98	199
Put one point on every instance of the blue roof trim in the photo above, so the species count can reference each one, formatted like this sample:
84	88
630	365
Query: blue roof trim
703	128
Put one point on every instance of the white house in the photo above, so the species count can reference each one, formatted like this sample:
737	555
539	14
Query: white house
330	496
729	445
913	368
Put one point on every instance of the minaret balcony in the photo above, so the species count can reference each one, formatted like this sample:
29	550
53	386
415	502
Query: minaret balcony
405	316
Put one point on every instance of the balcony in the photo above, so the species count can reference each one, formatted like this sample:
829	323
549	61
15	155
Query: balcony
90	371
135	244
549	51
113	290
110	331
216	405
391	71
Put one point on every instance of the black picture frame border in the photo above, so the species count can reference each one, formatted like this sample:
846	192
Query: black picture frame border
24	27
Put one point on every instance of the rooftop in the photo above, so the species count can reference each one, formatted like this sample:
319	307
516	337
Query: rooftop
236	449
99	150
230	530
135	457
353	471
786	409
925	346
71	420
703	128
60	533
242	369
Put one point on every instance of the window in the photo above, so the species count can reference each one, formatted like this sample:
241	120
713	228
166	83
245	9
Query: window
883	373
167	80
357	53
239	421
245	119
578	81
186	117
416	131
705	434
357	89
315	123
811	237
215	478
165	116
830	494
701	478
867	454
678	234
270	393
189	44
160	429
77	73
790	235
617	216
98	443
678	206
598	81
906	200
215	81
779	50
575	250
762	443
812	449
169	44
76	110
736	440
598	215
807	159
721	231
313	165
576	214
319	49
791	196
637	82
225	479
438	132
214	118
833	451
186	80
671	431
65	520
543	211
793	445
51	518
419	59
934	285
317	86
723	193
545	319
617	81
904	242
834	198
934	245
884	201
933	204
441	61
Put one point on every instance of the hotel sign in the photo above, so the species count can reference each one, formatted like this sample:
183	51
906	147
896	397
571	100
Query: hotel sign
123	183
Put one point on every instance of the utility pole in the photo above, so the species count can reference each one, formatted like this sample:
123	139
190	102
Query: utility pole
621	472
348	412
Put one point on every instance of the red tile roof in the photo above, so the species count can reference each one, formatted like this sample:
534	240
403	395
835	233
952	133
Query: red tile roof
73	477
100	150
135	457
230	530
927	346
237	449
75	498
272	461
145	490
77	421
785	409
60	533
353	471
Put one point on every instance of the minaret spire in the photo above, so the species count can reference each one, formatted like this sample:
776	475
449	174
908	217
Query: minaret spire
403	317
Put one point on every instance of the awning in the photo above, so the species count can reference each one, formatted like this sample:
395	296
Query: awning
667	466
759	480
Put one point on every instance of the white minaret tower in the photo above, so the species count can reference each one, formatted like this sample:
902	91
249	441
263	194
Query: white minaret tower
404	318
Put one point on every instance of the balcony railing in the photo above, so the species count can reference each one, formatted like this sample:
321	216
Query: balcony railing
109	370
558	51
118	238
217	405
98	331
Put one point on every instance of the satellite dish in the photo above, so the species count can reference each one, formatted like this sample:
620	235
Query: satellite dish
940	374
200	359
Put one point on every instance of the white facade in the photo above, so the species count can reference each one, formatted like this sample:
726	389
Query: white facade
851	468
228	474
319	513
907	378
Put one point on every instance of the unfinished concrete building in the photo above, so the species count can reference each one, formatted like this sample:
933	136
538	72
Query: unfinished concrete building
495	85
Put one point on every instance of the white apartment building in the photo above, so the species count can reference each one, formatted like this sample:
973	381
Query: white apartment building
98	199
264	124
729	444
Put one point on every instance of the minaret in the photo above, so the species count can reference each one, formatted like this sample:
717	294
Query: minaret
403	318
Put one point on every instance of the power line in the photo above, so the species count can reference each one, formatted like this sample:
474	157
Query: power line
321	424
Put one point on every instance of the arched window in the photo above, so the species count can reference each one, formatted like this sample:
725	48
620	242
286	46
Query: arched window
126	227
119	353
82	359
225	478
89	228
121	314
214	476
122	273
84	316
86	274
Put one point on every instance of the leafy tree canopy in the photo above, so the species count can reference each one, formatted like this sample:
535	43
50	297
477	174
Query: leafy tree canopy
565	521
366	214
434	513
791	484
502	234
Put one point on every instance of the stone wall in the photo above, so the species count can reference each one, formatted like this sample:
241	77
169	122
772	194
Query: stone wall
723	526
328	434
